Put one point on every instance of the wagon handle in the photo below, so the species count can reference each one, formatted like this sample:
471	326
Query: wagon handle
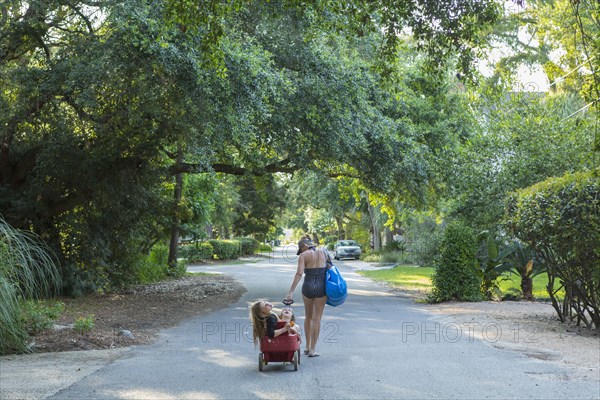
288	302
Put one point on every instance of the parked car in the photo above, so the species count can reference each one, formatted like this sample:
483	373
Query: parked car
346	249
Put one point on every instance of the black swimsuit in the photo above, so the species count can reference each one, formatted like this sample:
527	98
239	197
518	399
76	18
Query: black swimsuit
314	282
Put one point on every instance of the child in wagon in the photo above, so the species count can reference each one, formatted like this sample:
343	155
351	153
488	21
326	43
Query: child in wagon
264	321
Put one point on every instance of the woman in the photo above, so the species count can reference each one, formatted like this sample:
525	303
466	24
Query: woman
311	264
264	321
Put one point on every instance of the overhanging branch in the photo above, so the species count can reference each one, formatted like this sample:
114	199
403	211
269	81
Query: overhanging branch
195	168
284	166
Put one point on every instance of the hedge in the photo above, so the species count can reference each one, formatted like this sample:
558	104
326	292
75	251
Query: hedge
226	249
560	219
196	252
249	246
219	249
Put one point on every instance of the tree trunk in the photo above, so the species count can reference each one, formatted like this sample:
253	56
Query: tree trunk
175	223
315	238
340	228
375	227
527	287
388	236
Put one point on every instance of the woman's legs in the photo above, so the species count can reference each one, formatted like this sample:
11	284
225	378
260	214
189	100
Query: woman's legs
318	307
313	309
308	312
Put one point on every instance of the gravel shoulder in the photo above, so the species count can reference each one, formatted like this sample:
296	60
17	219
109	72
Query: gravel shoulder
531	328
143	311
61	357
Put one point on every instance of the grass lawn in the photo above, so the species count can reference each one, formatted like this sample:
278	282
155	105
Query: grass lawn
406	277
413	278
512	282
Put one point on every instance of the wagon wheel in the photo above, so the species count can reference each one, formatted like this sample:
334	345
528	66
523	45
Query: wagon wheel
296	361
261	361
298	352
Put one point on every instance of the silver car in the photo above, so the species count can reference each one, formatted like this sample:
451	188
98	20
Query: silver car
346	249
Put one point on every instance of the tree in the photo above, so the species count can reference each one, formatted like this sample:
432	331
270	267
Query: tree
106	105
524	139
102	199
558	37
440	29
523	261
574	28
309	190
202	198
261	200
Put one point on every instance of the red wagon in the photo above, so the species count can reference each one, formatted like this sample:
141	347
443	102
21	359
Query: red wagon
283	348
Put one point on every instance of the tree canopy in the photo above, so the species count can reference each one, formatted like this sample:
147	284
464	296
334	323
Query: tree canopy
108	107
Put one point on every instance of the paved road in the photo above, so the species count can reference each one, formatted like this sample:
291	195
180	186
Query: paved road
376	346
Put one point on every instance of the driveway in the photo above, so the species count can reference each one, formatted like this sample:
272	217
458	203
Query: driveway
376	345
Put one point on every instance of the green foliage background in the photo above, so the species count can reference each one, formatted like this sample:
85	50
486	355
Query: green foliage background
560	219
127	125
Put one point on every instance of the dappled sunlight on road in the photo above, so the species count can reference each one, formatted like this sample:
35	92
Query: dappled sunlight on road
351	278
288	269
369	293
163	395
269	394
226	359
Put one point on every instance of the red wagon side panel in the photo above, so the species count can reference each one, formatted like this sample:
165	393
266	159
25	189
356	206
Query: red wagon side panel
281	348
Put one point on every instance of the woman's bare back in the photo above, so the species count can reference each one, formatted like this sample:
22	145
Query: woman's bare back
313	259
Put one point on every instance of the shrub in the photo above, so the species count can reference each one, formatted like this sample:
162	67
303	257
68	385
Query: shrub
197	251
456	275
155	267
395	246
560	219
84	325
38	316
372	256
492	255
388	257
249	246
263	247
179	270
330	240
159	254
28	270
225	249
395	257
423	241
